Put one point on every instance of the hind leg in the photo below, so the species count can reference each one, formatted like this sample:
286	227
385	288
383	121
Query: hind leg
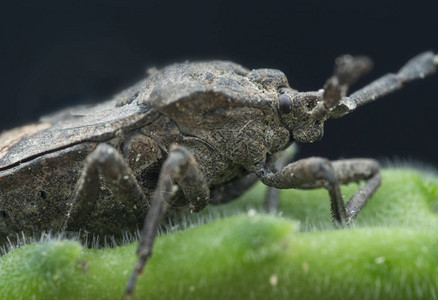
107	162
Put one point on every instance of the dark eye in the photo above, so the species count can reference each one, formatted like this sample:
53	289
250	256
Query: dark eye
42	194
4	214
285	103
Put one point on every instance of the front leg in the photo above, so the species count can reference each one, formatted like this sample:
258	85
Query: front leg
179	171
317	172
304	172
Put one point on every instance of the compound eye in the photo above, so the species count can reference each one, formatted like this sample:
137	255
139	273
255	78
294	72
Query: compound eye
285	103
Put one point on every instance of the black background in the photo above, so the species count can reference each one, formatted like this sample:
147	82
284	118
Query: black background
55	54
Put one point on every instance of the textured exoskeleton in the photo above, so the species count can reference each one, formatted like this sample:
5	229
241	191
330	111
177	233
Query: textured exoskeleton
187	135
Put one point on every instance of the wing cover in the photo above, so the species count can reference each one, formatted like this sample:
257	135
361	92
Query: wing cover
69	127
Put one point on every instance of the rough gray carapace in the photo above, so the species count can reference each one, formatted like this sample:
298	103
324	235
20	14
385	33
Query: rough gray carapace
187	135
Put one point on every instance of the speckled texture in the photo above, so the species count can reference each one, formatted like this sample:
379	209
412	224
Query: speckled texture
228	118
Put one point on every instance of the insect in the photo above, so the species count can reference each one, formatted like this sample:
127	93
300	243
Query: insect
187	135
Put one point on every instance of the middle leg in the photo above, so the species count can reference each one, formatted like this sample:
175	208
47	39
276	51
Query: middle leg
179	171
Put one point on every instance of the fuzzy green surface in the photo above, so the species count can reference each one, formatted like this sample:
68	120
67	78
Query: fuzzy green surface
390	253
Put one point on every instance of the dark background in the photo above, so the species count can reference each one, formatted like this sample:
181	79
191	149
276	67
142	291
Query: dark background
59	53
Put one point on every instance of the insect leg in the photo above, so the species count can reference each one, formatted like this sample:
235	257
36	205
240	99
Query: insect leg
229	192
179	171
107	162
271	200
304	174
279	161
354	170
315	173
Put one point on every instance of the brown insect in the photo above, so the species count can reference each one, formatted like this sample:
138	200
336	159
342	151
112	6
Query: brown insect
187	135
